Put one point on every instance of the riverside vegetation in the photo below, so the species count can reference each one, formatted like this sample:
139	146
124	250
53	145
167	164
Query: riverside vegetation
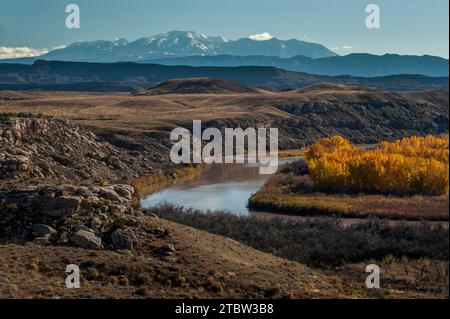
404	179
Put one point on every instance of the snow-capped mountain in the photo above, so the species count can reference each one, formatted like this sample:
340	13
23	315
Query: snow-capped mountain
101	51
178	43
182	43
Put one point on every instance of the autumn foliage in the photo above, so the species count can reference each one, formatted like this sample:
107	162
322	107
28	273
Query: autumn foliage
415	165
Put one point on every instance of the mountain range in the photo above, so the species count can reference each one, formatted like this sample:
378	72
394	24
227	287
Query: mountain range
129	76
179	44
357	64
196	49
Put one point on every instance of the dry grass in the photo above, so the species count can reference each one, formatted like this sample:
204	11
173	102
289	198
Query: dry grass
400	277
144	113
291	153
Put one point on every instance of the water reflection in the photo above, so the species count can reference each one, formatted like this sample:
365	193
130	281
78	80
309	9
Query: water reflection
224	187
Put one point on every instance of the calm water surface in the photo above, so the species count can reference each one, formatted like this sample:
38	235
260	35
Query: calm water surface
219	187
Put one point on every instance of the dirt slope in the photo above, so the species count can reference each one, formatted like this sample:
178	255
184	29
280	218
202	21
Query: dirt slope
202	265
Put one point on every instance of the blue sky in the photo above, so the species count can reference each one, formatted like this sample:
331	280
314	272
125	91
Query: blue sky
407	26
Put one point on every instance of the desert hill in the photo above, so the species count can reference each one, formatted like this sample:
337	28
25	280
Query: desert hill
329	87
199	86
134	122
338	93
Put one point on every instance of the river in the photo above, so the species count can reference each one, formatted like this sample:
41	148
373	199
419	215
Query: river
219	187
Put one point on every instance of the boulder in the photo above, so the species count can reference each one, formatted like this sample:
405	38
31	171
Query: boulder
123	190
123	239
41	241
108	193
166	250
117	209
96	223
16	163
41	230
86	239
60	206
84	191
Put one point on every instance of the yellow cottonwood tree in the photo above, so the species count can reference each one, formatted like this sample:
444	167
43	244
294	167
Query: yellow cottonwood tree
414	165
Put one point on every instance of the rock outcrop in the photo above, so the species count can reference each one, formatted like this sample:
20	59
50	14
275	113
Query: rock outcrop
86	239
36	149
123	239
62	214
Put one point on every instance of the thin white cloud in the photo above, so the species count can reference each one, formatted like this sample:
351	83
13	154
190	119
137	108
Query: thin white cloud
20	52
261	36
342	48
24	52
62	46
